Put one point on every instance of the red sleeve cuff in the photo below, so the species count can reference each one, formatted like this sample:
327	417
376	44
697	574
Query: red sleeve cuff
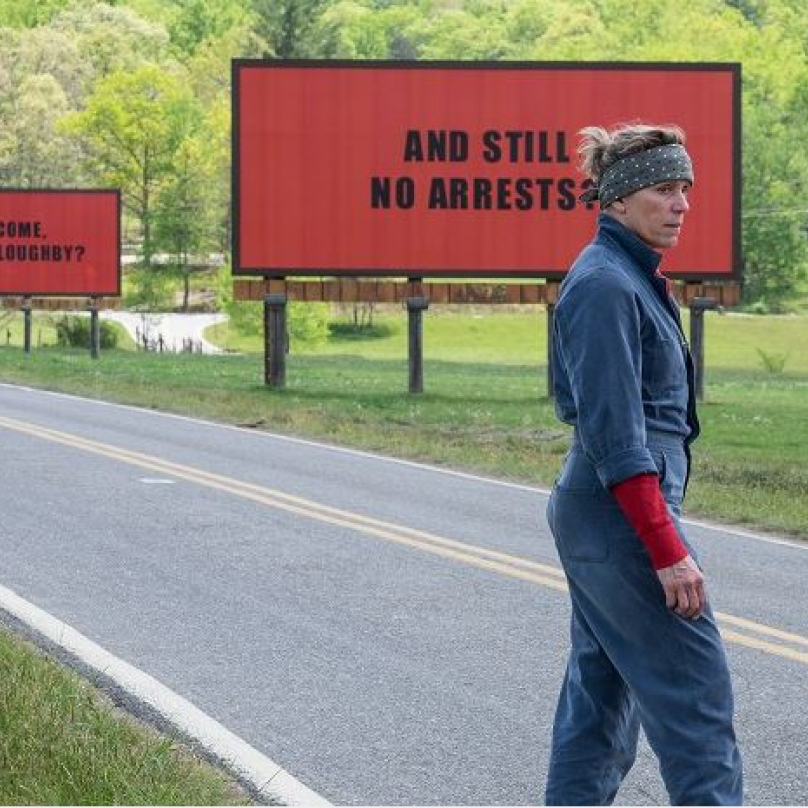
641	500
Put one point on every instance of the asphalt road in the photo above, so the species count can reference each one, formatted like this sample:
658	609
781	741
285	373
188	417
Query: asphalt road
388	633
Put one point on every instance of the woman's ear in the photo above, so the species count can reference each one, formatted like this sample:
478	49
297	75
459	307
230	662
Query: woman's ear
619	206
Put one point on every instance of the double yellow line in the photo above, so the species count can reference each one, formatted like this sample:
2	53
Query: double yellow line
743	632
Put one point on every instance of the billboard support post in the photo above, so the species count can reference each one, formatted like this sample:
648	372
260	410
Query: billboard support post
26	327
416	306
697	308
95	331
275	341
550	330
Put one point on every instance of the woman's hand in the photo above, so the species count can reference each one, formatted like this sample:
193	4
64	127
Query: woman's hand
683	583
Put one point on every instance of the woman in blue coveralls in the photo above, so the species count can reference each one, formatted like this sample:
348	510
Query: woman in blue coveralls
645	647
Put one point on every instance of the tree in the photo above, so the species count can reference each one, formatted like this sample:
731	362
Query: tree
47	71
349	30
133	127
112	38
285	25
209	75
201	21
184	220
29	13
33	153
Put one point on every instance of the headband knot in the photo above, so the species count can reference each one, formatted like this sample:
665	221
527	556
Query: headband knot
641	170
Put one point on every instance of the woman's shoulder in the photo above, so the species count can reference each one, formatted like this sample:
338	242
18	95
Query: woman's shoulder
597	271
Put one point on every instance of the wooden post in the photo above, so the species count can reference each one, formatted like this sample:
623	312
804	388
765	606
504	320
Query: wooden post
95	331
26	325
697	308
275	341
415	311
550	320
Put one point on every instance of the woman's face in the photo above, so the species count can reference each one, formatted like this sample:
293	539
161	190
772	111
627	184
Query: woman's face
655	214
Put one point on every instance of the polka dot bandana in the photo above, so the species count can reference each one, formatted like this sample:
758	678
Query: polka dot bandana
641	170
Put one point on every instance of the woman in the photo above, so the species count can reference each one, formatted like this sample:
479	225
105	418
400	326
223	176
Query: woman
645	647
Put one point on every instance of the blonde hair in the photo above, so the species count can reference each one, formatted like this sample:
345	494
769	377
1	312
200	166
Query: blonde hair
600	148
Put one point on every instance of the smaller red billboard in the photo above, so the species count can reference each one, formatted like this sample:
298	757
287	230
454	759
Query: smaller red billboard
60	242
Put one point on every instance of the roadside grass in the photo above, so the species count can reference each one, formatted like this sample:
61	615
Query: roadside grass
485	408
733	341
61	743
43	330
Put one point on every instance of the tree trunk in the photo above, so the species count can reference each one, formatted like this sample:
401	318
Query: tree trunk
186	284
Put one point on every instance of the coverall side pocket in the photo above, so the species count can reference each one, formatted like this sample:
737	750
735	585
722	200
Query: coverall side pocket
661	463
581	525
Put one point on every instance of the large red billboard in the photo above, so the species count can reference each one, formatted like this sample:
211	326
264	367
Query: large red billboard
60	242
461	169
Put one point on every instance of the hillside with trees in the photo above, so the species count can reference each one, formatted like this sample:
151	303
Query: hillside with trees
136	94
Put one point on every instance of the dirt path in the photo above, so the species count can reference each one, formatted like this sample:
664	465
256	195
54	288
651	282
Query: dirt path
172	332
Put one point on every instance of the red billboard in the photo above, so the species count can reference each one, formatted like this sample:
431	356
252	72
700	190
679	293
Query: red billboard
461	169
60	242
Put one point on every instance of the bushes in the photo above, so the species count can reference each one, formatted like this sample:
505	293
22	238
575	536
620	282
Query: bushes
74	332
149	289
307	323
352	331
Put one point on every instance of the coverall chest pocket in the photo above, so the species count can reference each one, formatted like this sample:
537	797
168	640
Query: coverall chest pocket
664	366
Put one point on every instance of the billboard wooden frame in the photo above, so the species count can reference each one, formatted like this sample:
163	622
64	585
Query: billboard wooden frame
70	293
734	273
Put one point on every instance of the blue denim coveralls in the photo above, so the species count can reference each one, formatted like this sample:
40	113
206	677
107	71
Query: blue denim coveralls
624	379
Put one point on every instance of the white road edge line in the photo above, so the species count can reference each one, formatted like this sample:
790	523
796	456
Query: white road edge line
270	779
784	541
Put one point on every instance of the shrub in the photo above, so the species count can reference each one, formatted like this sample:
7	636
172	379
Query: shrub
306	322
351	331
75	333
773	362
149	289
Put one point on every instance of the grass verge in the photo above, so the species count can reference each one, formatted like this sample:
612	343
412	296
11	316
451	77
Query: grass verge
61	743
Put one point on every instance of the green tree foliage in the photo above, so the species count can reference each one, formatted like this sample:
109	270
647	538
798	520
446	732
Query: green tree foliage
47	71
201	21
111	37
285	26
29	13
307	323
209	76
144	85
33	152
148	290
183	218
133	127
